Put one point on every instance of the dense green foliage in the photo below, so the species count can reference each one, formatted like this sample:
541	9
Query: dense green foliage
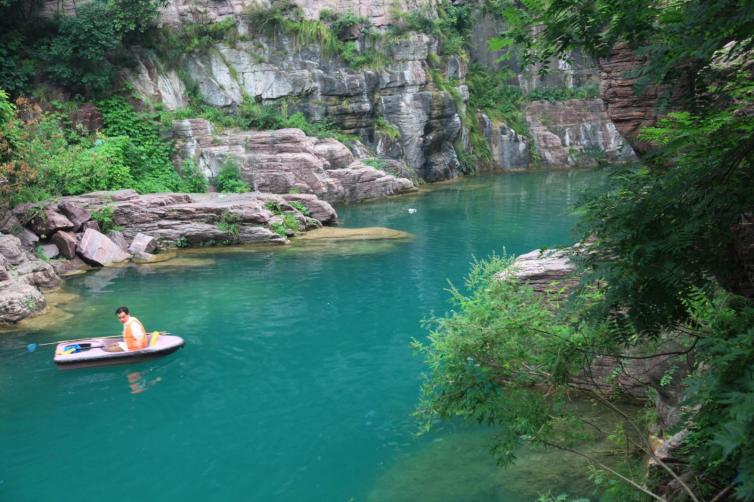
44	154
149	157
229	178
81	53
661	244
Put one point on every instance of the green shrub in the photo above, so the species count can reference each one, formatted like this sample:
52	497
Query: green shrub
376	163
229	178
387	129
230	223
193	179
150	156
279	229
273	207
102	167
104	216
300	207
291	222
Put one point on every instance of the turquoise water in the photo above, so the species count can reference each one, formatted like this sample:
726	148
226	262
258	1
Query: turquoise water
296	382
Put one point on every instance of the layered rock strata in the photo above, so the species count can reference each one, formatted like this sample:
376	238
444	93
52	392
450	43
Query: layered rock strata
575	132
268	69
286	160
628	109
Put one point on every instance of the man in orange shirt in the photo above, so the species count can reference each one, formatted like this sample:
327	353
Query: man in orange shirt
134	334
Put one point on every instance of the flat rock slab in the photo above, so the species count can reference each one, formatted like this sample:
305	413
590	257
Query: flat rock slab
354	234
98	248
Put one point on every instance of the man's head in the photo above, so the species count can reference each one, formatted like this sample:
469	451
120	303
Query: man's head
122	313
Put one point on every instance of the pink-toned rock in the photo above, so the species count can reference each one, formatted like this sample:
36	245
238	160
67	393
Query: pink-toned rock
334	152
37	273
9	223
628	110
50	251
18	301
283	160
75	214
118	238
66	243
318	209
143	243
4	276
12	250
69	267
50	221
28	238
93	224
99	249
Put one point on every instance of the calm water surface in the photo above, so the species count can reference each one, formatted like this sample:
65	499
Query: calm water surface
297	381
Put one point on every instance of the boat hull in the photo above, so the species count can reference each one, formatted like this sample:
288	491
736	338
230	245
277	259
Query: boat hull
94	354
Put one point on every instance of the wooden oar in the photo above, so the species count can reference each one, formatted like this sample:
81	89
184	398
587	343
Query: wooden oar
33	346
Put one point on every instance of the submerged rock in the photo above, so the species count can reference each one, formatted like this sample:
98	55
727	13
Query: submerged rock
355	234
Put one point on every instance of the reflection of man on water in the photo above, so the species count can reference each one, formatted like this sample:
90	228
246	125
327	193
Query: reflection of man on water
134	334
138	383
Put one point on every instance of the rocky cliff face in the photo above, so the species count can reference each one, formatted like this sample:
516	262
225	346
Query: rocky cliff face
575	132
272	69
628	109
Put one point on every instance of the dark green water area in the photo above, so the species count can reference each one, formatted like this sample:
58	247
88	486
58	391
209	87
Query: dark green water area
297	382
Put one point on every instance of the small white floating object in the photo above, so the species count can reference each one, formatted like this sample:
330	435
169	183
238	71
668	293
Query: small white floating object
411	210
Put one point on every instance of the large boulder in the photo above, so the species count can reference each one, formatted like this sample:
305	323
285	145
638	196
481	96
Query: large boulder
544	271
47	221
66	243
12	250
28	238
118	238
143	243
99	249
75	214
50	251
37	273
18	301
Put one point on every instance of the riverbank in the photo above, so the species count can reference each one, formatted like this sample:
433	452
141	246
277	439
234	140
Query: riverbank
40	243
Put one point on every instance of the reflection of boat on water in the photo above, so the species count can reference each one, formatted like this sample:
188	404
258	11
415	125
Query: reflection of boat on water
90	352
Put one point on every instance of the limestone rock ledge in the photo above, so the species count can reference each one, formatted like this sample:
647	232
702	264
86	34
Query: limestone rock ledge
176	219
22	275
148	224
284	160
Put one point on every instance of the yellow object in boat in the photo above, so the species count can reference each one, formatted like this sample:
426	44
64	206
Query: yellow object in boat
153	339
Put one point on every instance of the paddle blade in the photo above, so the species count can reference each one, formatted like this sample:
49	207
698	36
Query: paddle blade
31	347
